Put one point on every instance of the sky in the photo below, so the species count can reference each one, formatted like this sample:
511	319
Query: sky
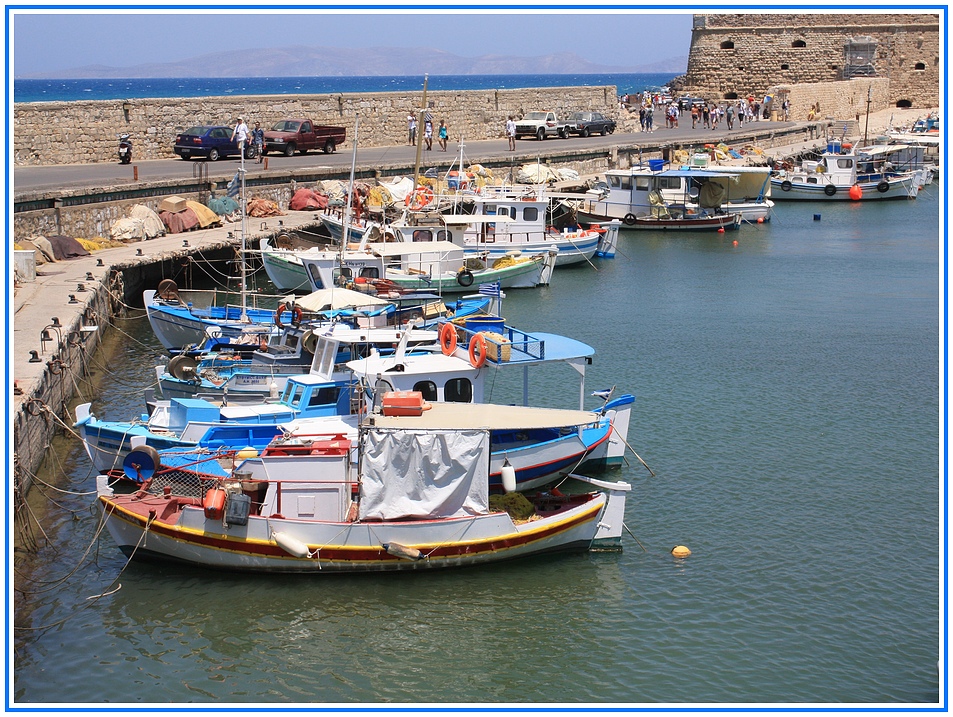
56	40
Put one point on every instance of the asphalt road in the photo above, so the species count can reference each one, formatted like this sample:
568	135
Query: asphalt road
29	179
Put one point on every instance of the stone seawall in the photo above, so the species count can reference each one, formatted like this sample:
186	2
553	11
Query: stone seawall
85	132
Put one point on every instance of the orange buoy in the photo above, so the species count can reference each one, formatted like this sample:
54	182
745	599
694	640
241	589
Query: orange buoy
855	192
721	230
680	551
760	220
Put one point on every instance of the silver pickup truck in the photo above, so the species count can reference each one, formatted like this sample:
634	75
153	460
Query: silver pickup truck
541	125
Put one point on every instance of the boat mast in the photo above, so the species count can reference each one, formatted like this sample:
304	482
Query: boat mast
349	199
420	133
244	315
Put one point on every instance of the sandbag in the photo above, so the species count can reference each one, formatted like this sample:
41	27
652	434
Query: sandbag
39	245
307	199
66	247
177	222
151	223
206	216
223	205
128	229
263	208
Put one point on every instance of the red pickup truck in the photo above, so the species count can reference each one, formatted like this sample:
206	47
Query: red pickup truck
300	135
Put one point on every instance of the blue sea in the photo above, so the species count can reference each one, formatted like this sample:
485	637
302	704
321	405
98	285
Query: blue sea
116	89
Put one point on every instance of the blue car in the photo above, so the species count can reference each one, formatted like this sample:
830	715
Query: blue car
210	142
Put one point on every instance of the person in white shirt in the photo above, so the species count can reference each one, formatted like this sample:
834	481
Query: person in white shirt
241	134
511	133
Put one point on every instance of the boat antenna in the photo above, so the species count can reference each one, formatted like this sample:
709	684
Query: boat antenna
867	118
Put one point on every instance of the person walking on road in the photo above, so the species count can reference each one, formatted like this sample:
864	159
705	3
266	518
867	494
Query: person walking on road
411	129
442	136
240	133
511	133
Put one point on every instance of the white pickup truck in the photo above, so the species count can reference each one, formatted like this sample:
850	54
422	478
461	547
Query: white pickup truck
541	125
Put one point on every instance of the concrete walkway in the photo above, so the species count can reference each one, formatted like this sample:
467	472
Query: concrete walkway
36	303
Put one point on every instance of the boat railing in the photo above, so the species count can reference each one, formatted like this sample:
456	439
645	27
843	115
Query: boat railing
505	341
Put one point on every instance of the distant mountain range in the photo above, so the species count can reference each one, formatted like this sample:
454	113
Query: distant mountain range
303	61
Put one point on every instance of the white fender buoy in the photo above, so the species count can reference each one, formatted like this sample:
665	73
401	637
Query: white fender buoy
402	551
247	452
680	551
273	389
508	476
291	545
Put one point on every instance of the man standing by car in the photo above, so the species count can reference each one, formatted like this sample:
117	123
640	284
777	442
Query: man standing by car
258	141
511	133
240	133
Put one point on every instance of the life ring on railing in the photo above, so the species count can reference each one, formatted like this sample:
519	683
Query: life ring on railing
477	351
296	315
448	339
419	198
830	190
465	277
883	187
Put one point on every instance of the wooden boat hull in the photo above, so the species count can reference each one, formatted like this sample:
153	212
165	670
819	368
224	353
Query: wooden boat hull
176	529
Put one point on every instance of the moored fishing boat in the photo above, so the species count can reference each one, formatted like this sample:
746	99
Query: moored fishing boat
840	174
396	507
652	197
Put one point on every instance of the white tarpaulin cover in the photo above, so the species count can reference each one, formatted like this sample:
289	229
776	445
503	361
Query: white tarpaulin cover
408	473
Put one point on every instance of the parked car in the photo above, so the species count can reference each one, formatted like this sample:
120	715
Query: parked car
541	125
686	103
207	141
586	123
302	135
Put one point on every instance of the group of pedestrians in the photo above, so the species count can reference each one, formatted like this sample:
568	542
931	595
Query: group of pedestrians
242	135
443	132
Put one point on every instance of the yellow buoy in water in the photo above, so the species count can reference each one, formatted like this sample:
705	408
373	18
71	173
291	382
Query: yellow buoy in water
680	551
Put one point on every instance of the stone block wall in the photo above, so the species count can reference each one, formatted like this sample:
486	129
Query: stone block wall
741	54
84	132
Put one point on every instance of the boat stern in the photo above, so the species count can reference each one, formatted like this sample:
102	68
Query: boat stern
608	535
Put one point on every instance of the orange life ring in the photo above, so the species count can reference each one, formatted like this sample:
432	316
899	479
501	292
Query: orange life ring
478	351
296	315
448	339
419	198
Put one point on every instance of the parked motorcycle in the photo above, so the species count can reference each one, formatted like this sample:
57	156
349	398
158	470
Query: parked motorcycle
125	149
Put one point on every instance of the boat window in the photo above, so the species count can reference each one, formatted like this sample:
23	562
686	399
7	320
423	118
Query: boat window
423	235
669	182
324	396
315	276
812	180
530	214
444	235
626	183
297	391
371	272
458	390
428	389
845	163
341	275
642	183
613	181
383	386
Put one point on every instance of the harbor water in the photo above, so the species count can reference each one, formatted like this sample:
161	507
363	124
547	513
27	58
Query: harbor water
787	379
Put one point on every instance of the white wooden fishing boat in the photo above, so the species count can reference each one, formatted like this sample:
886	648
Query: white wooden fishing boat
841	174
652	197
389	504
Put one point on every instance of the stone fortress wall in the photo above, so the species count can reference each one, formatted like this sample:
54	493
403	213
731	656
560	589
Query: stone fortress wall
84	132
831	58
